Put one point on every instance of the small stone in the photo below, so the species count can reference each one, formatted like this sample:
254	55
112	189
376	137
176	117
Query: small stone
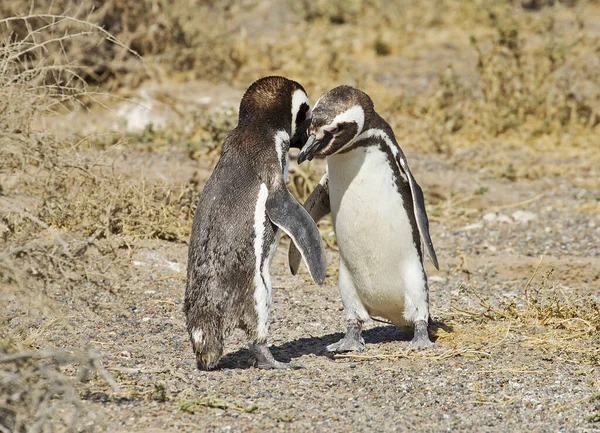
490	217
523	216
125	354
474	226
173	265
437	279
504	219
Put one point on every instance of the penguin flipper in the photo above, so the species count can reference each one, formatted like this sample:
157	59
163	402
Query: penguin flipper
317	205
287	214
419	207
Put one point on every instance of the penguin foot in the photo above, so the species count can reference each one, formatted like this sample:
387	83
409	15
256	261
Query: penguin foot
279	366
347	344
265	358
352	341
421	339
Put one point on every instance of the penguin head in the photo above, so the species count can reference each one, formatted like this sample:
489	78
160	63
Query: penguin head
280	103
338	118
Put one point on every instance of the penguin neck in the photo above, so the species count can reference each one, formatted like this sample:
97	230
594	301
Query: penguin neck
375	125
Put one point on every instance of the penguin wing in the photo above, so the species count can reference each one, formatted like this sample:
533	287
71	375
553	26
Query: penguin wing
317	205
419	207
287	214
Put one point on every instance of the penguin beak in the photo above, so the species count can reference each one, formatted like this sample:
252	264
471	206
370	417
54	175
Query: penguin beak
312	146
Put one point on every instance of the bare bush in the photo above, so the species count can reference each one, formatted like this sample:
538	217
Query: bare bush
163	33
36	395
60	212
50	187
552	81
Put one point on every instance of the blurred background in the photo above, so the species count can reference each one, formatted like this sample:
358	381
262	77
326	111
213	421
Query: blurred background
112	114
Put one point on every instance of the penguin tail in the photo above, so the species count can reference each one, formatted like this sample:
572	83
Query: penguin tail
208	347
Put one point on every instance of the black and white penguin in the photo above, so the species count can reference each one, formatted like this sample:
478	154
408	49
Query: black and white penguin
243	208
379	217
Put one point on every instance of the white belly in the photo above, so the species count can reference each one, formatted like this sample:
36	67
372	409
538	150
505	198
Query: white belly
373	232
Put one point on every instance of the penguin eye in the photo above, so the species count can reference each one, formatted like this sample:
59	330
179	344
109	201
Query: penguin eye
331	129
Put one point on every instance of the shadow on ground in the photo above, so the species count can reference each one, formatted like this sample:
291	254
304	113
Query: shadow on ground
243	359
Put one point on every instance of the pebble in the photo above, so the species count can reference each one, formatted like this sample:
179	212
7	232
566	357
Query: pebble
490	217
523	216
474	226
493	217
437	279
504	219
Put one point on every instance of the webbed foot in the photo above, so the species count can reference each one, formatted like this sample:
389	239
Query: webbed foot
352	341
347	345
265	359
421	339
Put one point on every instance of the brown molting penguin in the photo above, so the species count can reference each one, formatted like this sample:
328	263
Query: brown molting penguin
378	214
243	208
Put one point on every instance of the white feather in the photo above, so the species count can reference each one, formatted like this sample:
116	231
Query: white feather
298	98
375	236
198	337
262	287
379	133
282	144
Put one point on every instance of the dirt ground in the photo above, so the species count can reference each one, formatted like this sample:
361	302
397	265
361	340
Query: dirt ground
515	221
488	374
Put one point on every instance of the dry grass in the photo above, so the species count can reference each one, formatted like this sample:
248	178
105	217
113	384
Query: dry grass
536	71
66	221
165	33
526	74
58	201
570	324
37	395
542	318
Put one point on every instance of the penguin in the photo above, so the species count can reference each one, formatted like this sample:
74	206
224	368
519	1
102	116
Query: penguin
378	213
242	210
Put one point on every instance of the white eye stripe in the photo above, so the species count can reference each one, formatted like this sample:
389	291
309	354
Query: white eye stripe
354	114
298	98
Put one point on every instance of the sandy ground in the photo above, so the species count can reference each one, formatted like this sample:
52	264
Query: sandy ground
487	375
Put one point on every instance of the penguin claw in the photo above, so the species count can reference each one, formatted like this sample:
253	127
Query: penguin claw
265	359
421	339
279	366
347	345
420	344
